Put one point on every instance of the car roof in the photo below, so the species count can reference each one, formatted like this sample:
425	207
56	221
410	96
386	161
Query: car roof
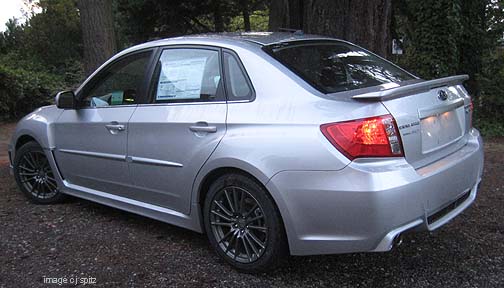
262	38
232	39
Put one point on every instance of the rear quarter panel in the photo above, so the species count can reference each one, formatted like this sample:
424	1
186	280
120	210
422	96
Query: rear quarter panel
280	129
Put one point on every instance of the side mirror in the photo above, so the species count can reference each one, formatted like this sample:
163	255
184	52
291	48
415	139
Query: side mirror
66	100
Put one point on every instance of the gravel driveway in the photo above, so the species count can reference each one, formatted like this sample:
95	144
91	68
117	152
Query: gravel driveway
90	242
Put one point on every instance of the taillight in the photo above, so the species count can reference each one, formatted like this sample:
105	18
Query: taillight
369	137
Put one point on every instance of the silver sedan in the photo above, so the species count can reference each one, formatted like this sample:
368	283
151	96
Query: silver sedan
270	143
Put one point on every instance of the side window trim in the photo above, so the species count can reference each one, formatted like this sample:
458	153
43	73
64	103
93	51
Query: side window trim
243	70
99	76
151	90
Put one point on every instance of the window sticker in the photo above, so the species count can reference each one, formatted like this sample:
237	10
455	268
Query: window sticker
117	98
181	79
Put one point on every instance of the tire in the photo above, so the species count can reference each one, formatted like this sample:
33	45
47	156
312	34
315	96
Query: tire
236	227
34	175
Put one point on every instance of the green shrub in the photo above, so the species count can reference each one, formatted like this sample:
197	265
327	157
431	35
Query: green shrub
490	103
489	127
21	91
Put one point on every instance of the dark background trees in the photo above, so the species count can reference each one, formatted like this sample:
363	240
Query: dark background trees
56	48
98	34
366	23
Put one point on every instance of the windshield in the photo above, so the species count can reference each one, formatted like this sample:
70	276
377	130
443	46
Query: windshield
335	66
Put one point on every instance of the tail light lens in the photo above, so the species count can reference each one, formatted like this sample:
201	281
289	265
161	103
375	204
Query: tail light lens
369	137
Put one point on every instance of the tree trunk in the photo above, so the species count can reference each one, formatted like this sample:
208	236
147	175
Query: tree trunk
286	14
364	22
97	32
218	18
246	14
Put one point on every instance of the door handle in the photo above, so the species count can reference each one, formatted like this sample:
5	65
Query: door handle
207	129
114	127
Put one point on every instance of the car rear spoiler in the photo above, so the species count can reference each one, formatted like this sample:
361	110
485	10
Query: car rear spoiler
409	89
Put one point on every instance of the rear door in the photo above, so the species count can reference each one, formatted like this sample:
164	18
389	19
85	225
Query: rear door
91	142
171	138
433	123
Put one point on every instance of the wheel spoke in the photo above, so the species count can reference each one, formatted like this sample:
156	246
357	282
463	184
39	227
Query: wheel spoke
52	184
41	189
261	244
246	248
229	201
236	243
254	249
222	216
226	236
230	242
260	228
28	174
242	199
47	185
35	160
235	201
223	208
29	162
26	168
27	179
251	210
255	218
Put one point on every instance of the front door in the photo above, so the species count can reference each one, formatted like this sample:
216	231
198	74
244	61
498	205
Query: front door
91	141
171	138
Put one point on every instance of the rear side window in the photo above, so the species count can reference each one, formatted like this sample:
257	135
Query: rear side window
188	75
335	66
237	83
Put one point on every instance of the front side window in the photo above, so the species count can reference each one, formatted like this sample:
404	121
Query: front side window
118	84
187	75
334	66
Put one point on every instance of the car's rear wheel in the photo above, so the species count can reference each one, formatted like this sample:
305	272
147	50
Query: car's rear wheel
243	224
34	175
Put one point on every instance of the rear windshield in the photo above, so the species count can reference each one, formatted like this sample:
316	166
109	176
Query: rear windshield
335	66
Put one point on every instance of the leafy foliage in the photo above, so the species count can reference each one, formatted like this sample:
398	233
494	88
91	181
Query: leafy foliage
39	58
489	105
431	33
139	21
440	38
258	21
448	37
21	91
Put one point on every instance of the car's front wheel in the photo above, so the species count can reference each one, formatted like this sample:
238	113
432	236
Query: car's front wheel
34	175
243	224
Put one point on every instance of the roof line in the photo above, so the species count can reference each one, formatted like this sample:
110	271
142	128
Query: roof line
252	41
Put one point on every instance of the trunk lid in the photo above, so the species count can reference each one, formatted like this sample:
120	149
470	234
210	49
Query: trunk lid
433	117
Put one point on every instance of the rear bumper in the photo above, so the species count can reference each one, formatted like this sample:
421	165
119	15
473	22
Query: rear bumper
364	206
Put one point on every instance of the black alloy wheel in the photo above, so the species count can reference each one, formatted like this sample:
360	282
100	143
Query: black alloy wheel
238	224
243	224
34	175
